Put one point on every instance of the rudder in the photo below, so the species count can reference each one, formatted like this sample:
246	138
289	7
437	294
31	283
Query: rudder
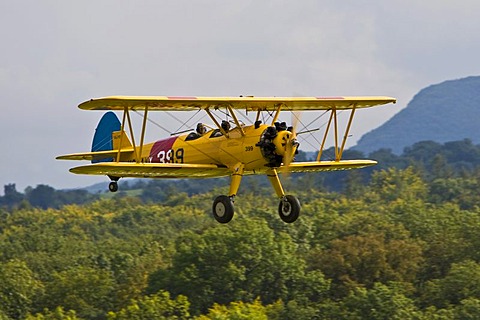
102	140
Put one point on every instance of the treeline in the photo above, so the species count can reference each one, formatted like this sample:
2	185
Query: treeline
42	196
439	164
432	161
400	247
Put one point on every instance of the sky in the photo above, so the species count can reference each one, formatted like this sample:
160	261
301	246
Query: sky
57	54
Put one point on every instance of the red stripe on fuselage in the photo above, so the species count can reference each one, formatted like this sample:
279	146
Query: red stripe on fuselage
160	150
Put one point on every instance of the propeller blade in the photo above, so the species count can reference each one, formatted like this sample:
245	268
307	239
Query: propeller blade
292	143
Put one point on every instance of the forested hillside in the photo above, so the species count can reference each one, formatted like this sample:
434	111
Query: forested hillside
401	245
443	112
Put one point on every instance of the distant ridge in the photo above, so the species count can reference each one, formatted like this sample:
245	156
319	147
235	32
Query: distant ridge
449	111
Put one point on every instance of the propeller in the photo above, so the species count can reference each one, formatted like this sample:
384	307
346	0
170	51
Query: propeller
291	143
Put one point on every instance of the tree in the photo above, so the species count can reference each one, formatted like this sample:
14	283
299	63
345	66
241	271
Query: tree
57	314
462	282
18	288
469	309
158	306
238	262
462	191
393	184
43	196
423	151
89	291
363	260
379	303
237	311
12	197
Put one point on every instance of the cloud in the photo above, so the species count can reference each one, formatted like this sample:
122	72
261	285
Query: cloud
58	54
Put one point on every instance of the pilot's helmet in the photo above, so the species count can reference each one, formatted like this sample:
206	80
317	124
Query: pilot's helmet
201	128
225	125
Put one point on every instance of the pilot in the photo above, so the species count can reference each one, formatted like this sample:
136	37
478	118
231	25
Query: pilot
225	125
201	129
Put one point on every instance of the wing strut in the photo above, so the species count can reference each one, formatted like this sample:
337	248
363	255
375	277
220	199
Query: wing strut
277	113
122	129
144	126
347	130
137	157
338	149
234	116
216	122
325	137
335	127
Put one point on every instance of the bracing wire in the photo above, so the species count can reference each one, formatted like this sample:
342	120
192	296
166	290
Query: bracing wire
185	123
152	121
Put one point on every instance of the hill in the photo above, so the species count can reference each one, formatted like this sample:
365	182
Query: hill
449	111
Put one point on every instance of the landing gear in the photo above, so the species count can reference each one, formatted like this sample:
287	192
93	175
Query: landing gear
289	209
113	186
223	209
223	205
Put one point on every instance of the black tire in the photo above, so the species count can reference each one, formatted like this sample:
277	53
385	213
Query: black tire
113	186
223	209
289	209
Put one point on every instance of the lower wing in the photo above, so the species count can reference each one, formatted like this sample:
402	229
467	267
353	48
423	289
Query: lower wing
182	170
153	170
326	165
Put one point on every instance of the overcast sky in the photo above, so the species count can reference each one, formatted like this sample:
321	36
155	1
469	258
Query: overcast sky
56	54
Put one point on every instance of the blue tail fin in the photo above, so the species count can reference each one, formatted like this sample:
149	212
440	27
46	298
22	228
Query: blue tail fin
102	140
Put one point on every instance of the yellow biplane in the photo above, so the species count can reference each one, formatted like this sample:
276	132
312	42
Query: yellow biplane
227	148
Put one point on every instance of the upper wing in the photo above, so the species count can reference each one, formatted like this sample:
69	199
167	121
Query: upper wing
153	170
326	165
247	103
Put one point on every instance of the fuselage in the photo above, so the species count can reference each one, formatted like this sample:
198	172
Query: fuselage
213	147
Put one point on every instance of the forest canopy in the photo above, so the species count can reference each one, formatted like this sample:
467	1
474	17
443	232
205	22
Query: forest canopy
399	242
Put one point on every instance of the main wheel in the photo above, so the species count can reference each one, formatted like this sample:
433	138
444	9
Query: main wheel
289	209
113	186
223	209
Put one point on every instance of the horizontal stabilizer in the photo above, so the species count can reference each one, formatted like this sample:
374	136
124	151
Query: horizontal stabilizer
97	155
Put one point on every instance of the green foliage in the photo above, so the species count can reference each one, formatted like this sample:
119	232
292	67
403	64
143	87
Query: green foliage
157	306
380	302
237	311
393	184
238	262
18	288
84	289
403	246
57	314
363	260
462	282
469	309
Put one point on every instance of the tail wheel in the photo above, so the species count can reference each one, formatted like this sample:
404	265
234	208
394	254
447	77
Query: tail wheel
113	186
223	209
289	209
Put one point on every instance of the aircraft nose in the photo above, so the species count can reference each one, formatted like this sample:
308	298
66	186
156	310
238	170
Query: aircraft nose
281	141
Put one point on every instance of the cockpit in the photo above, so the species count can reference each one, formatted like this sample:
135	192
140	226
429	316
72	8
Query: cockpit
199	132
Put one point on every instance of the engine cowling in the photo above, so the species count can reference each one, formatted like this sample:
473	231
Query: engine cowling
274	143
